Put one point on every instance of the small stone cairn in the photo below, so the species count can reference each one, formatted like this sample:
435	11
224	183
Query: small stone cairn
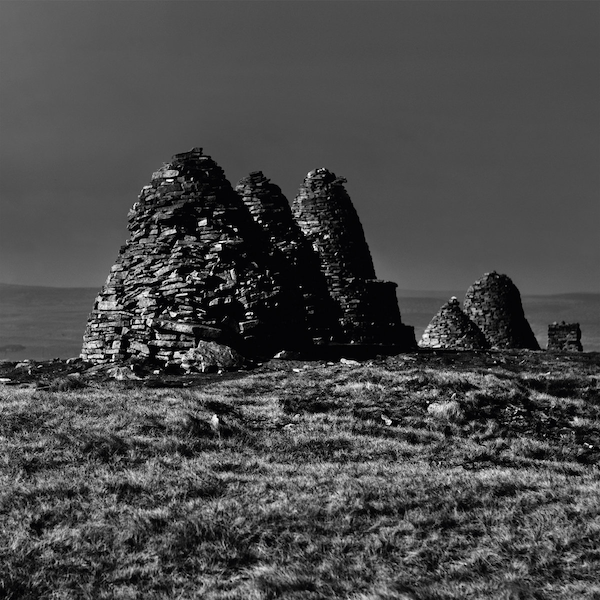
369	307
452	329
493	303
564	337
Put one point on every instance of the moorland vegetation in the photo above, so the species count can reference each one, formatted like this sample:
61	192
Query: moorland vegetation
427	476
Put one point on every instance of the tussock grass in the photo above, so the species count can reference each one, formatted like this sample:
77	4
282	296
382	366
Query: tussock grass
416	479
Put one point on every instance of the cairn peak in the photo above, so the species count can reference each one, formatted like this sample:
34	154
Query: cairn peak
321	177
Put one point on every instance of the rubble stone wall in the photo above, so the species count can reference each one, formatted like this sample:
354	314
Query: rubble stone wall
564	337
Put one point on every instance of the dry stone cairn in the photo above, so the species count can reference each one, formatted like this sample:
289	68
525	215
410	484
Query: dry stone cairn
369	307
493	303
196	268
564	337
317	313
211	275
452	329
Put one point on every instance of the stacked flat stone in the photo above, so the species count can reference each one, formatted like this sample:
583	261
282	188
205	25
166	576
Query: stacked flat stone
493	303
196	267
564	337
316	314
452	329
369	308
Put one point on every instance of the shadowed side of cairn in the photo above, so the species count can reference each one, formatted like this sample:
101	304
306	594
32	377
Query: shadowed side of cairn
316	312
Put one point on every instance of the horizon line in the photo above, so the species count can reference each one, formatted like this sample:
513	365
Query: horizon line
398	291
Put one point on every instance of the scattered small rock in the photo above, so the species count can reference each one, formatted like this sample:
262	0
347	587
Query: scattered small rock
349	362
386	419
287	355
211	357
450	410
122	374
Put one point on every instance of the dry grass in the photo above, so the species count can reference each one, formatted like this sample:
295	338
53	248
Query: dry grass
331	482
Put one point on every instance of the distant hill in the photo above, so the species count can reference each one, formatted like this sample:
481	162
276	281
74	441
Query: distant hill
48	322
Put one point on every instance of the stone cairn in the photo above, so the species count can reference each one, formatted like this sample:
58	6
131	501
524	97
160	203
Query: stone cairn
196	268
452	329
493	303
564	337
209	274
318	314
369	307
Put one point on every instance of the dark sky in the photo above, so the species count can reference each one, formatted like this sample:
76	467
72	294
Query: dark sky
469	132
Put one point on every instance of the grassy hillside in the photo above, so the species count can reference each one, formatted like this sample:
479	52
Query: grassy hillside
430	476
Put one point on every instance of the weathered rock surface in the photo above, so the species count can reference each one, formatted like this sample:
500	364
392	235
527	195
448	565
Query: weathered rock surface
452	329
493	303
209	357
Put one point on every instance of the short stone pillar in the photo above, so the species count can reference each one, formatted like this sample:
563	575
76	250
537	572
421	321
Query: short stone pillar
564	337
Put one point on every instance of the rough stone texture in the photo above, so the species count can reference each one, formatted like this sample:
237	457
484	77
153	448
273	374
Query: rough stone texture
369	308
564	337
318	313
493	303
196	267
452	329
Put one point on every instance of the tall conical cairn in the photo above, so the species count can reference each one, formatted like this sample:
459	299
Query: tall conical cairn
196	267
493	303
369	307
